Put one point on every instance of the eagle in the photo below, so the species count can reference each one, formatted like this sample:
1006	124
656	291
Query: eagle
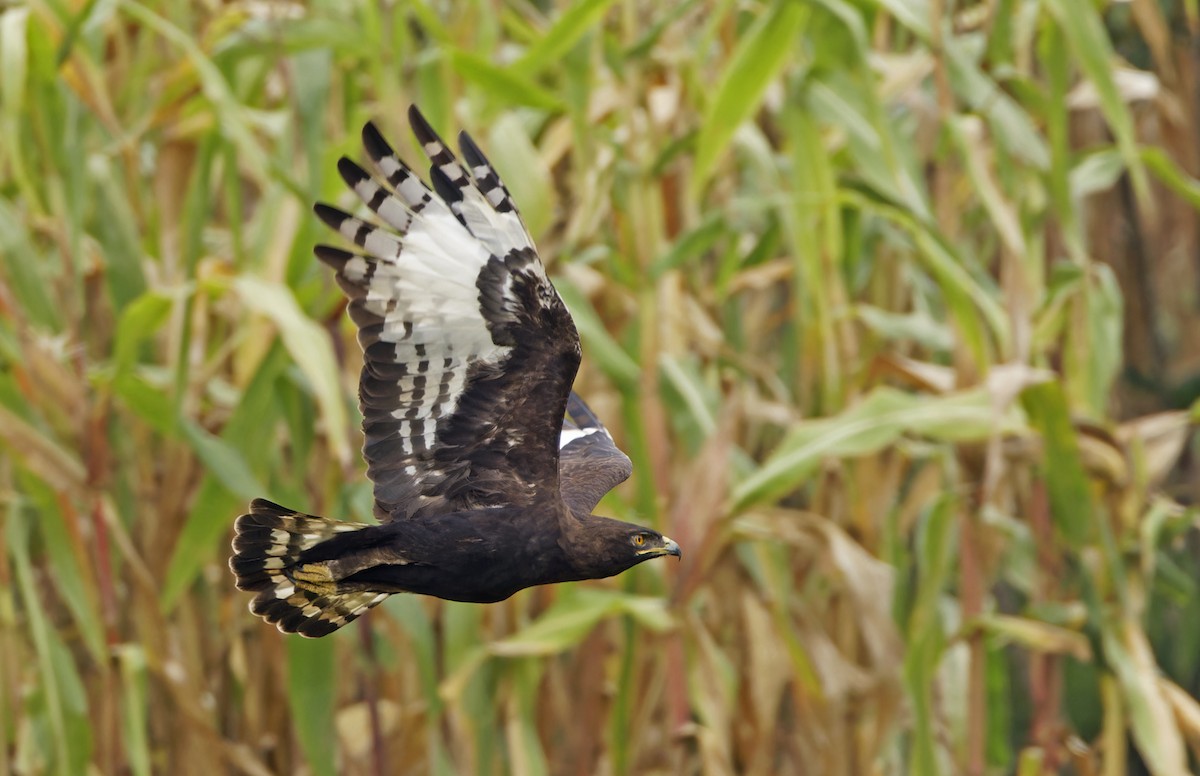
486	465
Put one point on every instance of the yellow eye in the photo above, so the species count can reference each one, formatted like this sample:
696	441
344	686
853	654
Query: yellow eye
639	540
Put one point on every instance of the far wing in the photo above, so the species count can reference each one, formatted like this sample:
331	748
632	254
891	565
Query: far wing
590	464
469	353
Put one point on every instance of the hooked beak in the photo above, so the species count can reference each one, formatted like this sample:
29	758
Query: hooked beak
668	547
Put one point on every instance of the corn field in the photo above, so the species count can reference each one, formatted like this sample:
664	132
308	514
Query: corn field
894	304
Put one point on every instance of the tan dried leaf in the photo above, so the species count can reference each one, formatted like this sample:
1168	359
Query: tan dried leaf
1160	439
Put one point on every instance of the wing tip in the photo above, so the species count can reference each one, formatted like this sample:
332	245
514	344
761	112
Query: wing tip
420	125
332	217
373	140
333	257
470	150
351	173
262	505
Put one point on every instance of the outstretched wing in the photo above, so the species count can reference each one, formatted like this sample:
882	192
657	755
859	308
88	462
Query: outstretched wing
590	464
468	351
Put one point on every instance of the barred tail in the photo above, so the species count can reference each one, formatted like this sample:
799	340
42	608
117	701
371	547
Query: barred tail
298	597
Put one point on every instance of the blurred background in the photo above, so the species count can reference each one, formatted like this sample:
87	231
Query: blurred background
893	303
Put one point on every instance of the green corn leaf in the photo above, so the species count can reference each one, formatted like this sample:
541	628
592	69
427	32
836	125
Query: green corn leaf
1071	503
312	351
599	345
501	83
873	424
554	43
312	684
224	462
761	55
1085	34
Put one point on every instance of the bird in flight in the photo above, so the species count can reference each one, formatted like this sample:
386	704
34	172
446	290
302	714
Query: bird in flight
486	466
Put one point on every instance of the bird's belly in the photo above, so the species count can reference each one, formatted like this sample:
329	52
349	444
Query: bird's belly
477	582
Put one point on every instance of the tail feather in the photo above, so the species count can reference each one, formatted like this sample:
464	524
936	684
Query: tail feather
297	597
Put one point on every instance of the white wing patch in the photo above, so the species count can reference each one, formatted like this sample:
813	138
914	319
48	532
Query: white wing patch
569	435
416	296
427	328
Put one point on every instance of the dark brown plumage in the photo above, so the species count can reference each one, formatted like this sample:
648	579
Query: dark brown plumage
482	486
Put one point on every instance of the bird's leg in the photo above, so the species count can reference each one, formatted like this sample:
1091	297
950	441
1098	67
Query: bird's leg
316	577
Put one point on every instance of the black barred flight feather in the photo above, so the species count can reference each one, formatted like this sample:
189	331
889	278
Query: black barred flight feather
479	199
482	484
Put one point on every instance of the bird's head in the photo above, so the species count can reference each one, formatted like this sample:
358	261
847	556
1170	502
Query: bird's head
601	546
